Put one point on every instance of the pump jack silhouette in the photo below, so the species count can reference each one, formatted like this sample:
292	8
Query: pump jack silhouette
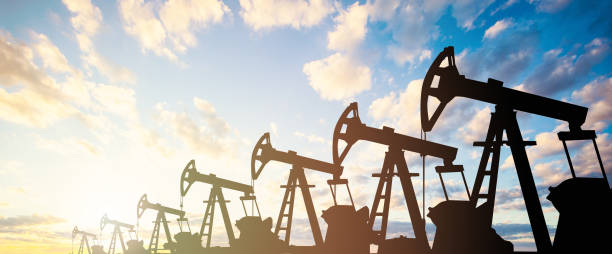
263	152
84	245
354	130
116	232
191	175
160	221
443	82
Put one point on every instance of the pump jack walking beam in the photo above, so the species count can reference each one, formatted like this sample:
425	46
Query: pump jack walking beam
397	143
191	175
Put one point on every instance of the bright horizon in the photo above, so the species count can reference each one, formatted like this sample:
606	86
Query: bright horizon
104	101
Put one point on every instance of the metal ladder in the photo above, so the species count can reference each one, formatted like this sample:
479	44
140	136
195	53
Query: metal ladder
288	199
208	218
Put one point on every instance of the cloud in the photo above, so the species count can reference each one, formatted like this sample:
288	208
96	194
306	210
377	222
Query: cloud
312	138
116	100
597	94
550	6
38	101
68	146
350	29
86	22
182	18
477	127
557	73
402	111
337	77
262	14
499	58
383	9
415	25
50	55
214	138
497	28
274	128
585	160
177	24
466	12
28	220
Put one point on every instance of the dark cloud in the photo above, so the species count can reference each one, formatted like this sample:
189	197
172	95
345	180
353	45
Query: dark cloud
558	72
503	58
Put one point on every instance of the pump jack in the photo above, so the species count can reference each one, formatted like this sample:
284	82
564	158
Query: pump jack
450	84
143	204
264	152
84	240
116	232
397	143
190	175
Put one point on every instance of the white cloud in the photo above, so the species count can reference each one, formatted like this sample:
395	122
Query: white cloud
88	17
312	138
177	24
116	100
402	109
497	28
50	55
261	14
350	29
39	100
337	77
182	18
218	125
383	9
139	20
598	95
274	128
68	146
211	137
477	127
86	21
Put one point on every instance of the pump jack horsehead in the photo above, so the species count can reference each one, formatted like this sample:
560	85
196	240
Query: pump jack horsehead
190	175
349	130
160	221
571	197
263	152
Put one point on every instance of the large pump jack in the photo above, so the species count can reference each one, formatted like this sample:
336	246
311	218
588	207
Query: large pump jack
160	221
444	82
190	175
349	129
84	245
264	152
116	232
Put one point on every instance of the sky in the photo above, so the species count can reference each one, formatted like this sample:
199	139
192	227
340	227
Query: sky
104	101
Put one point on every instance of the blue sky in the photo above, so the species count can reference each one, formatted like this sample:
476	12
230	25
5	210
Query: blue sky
102	101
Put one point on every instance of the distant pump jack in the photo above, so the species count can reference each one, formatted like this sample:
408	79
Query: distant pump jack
190	175
84	245
116	232
160	221
263	152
